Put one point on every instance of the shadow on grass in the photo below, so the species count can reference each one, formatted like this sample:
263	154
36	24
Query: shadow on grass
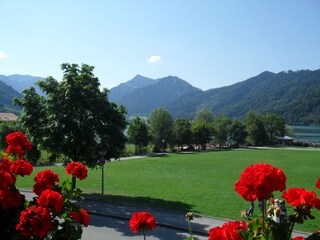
158	155
195	152
140	201
170	153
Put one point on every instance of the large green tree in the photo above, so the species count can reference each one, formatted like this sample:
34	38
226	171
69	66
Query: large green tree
202	133
202	128
256	128
275	126
75	117
182	132
221	130
138	134
238	132
161	127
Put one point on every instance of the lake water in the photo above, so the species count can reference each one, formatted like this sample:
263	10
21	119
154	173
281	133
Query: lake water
305	133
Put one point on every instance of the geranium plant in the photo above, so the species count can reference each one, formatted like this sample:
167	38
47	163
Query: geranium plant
52	213
259	181
142	222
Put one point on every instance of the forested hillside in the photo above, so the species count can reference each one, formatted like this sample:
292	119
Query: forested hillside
295	95
7	94
20	82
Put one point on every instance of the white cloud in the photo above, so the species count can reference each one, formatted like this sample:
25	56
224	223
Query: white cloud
3	55
154	59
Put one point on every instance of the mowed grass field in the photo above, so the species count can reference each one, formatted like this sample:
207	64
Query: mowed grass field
199	182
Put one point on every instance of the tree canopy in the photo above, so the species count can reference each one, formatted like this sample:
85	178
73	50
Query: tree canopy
204	115
182	132
221	129
256	128
75	117
238	132
138	133
201	133
161	126
275	126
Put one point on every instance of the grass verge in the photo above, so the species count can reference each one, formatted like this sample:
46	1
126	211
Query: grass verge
199	182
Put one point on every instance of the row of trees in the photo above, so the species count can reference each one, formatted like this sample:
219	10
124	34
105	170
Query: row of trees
162	130
75	119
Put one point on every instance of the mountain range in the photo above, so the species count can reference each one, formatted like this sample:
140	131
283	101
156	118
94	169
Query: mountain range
20	82
295	95
11	87
142	95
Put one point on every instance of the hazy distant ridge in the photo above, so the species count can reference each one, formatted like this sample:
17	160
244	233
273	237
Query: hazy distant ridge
295	95
7	94
20	82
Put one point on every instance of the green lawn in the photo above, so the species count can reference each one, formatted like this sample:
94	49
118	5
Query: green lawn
199	182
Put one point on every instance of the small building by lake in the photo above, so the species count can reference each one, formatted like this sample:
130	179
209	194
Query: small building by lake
285	140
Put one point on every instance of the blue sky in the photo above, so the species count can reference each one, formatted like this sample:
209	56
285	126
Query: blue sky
209	43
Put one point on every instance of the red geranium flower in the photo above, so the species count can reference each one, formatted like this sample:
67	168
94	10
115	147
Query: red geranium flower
317	203
318	183
5	164
38	188
9	199
51	199
227	231
18	144
299	196
77	169
47	176
259	180
304	201
142	221
15	150
6	179
21	167
82	217
35	221
45	180
298	238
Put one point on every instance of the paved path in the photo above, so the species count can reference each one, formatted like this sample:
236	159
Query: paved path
173	222
111	221
168	219
106	228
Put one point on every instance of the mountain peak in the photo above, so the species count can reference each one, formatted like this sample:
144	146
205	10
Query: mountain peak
138	76
159	92
170	77
267	74
140	81
128	87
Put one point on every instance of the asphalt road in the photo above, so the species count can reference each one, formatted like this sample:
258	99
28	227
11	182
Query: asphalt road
103	228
